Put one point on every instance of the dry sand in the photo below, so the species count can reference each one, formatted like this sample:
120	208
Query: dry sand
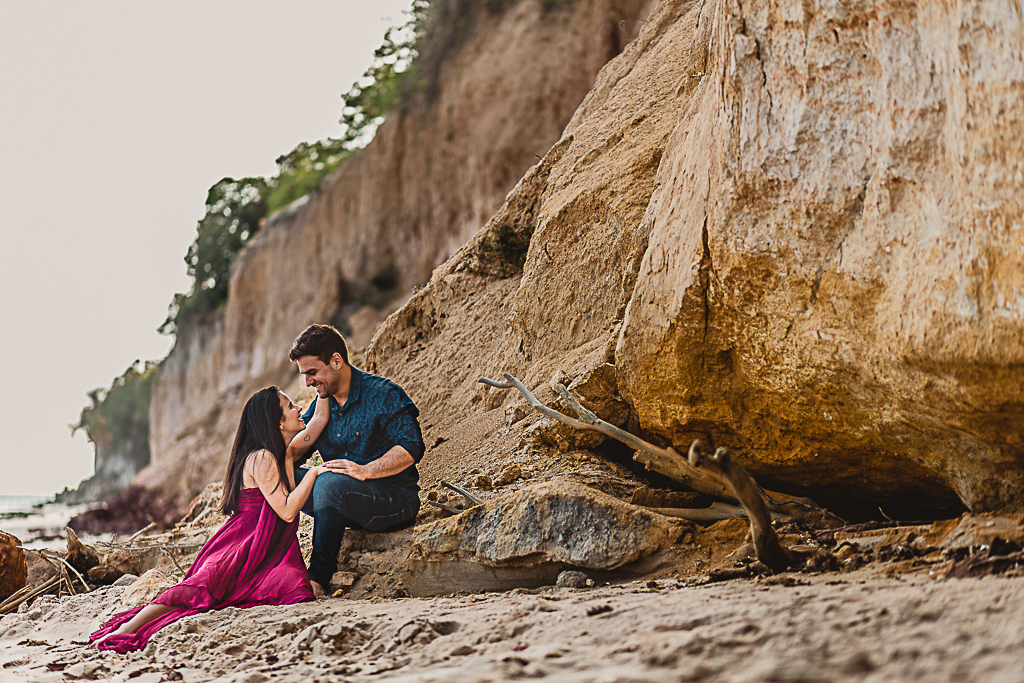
856	626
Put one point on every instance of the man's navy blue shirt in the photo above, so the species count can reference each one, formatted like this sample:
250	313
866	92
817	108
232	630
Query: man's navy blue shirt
377	416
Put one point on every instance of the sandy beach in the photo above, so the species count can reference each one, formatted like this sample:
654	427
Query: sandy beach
856	626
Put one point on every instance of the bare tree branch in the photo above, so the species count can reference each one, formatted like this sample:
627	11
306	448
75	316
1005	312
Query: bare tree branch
715	513
664	460
769	550
473	500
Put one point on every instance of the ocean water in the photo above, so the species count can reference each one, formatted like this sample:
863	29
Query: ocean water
9	504
37	522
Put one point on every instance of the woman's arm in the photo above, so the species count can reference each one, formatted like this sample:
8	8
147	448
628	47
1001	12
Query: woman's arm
302	441
285	504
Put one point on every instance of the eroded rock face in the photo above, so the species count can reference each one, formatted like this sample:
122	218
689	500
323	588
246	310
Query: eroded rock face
548	523
795	229
434	174
834	281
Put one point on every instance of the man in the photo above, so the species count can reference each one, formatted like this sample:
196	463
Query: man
372	442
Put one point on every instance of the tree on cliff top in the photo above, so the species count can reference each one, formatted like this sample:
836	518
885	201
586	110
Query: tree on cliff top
236	209
120	414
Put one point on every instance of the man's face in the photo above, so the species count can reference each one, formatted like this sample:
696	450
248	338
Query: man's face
324	377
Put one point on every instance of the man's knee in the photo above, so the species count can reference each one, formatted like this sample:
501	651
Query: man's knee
333	491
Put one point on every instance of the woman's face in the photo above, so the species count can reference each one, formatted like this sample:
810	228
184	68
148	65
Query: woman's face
291	422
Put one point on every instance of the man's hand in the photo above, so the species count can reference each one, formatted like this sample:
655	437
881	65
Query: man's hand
392	462
352	469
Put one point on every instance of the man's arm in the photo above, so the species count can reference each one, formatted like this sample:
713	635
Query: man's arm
392	462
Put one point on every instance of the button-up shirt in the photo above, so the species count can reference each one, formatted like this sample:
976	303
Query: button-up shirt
377	416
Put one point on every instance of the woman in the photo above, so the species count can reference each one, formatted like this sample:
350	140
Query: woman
254	559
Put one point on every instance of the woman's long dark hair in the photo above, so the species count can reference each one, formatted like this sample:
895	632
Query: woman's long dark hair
259	428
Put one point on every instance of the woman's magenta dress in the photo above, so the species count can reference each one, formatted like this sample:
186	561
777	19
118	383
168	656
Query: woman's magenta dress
254	559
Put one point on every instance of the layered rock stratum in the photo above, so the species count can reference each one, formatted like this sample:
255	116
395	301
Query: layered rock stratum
791	228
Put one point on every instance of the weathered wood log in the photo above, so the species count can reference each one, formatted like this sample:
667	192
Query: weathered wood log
663	460
82	557
716	512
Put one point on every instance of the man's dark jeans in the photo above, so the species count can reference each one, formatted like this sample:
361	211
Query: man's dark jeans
339	502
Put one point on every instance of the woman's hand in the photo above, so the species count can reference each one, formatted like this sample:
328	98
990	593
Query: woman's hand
285	503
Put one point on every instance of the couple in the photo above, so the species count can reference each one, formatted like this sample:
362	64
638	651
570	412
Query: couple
365	429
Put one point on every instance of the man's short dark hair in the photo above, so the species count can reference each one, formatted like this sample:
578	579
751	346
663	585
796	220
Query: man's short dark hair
322	341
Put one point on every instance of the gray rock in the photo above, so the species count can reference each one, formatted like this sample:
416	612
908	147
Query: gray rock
548	522
126	580
571	579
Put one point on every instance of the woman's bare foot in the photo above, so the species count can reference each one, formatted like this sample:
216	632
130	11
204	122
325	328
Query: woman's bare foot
111	634
318	590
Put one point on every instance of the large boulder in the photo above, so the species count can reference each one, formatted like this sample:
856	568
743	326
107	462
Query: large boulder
834	279
552	522
13	566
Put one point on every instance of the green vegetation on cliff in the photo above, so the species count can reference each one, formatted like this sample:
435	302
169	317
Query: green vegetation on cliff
237	209
118	418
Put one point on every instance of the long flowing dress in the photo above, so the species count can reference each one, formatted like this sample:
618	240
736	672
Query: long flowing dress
254	559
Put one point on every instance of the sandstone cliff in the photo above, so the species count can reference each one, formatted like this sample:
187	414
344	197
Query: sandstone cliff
789	228
795	229
436	171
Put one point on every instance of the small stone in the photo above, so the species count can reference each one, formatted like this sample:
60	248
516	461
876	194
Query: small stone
514	414
126	580
342	580
508	475
484	482
845	552
572	579
462	651
147	588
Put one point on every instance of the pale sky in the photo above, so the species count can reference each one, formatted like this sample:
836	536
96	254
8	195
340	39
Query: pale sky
115	119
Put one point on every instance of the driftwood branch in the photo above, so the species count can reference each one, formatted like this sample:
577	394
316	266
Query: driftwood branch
766	543
473	500
664	460
23	595
716	512
68	566
447	508
150	546
16	597
141	531
171	557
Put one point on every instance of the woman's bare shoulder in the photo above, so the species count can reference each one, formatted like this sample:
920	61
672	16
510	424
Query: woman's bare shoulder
260	463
